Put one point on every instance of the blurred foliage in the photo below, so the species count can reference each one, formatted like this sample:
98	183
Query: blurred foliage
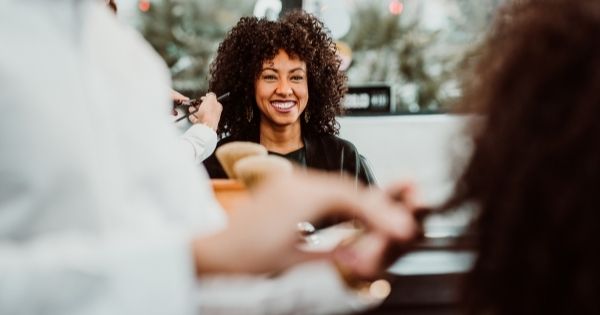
476	16
474	23
424	67
388	48
421	65
187	33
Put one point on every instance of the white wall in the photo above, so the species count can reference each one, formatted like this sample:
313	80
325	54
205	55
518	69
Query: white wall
420	148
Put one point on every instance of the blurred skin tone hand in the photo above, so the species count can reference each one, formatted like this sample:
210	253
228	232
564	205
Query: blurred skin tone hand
176	96
208	112
263	237
367	256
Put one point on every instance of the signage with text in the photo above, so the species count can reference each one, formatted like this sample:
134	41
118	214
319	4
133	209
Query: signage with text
368	99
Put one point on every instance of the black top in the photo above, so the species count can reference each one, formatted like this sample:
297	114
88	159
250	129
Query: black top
298	156
324	152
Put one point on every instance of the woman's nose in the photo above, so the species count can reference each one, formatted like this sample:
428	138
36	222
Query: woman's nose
284	88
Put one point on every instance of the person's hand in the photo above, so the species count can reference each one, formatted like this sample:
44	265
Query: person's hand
176	96
208	112
368	254
263	237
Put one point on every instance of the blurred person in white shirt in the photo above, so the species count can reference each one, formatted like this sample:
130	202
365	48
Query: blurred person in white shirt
102	212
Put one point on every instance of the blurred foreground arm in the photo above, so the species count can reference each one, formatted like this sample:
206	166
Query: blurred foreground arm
265	234
263	239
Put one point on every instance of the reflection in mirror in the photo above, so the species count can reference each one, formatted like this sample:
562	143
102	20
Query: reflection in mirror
414	46
417	47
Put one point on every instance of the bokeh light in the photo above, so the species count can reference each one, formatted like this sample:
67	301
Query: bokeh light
396	7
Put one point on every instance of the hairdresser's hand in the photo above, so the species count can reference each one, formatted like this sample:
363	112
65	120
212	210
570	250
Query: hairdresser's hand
366	256
263	237
176	96
208	112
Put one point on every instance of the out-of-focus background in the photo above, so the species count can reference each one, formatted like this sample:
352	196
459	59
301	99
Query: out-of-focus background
412	46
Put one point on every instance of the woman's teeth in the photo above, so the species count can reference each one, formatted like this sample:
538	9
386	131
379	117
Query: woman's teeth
283	105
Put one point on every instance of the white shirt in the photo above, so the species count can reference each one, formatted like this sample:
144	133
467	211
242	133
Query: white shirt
200	141
98	201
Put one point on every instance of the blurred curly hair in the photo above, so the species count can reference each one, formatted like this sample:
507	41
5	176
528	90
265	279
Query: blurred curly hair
535	169
253	41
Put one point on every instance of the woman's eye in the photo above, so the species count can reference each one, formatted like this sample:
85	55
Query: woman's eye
269	77
297	78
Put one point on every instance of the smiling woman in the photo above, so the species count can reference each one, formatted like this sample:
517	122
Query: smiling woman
286	88
281	96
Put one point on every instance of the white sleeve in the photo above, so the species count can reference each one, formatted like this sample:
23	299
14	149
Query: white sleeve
74	274
310	288
200	141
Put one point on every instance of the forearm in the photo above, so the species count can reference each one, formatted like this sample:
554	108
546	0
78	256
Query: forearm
214	254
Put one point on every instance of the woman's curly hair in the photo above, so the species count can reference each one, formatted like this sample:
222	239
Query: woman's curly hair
534	175
253	41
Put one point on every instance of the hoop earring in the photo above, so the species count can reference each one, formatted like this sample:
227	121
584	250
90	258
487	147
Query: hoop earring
306	116
249	113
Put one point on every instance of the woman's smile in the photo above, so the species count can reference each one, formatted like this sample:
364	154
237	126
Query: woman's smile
283	106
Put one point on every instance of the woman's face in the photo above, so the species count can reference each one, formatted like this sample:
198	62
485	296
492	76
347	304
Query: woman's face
281	90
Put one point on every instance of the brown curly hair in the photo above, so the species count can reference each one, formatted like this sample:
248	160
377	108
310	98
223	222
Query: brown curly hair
534	175
112	5
253	41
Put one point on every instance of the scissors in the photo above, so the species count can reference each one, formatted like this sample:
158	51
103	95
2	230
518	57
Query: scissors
193	102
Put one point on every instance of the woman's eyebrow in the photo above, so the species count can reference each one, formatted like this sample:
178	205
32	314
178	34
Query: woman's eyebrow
298	69
277	70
